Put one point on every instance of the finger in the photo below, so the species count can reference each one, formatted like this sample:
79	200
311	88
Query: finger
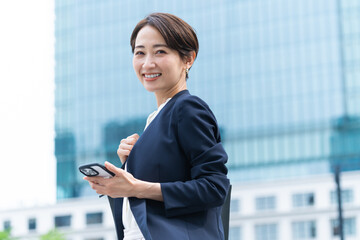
89	179
123	155
98	188
112	168
93	185
95	180
131	141
131	138
122	152
126	146
135	135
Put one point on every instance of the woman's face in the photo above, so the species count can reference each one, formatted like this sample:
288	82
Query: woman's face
159	68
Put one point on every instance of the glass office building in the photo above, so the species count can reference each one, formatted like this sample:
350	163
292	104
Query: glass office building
282	77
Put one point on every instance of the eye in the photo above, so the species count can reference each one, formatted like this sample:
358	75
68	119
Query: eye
139	53
160	52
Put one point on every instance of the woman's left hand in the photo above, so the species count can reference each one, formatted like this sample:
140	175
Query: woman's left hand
123	184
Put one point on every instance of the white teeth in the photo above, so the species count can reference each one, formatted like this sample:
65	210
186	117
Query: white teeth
152	75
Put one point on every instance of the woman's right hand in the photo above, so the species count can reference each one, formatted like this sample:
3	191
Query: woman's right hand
126	146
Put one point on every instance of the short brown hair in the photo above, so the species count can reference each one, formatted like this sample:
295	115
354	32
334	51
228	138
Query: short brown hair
177	34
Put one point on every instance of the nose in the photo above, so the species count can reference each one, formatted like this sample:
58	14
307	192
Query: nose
149	62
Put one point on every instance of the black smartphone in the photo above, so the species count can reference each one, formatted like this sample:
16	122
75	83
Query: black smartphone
95	170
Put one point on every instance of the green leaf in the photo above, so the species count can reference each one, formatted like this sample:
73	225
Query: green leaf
52	235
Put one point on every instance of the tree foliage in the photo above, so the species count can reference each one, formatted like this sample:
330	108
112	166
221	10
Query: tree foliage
6	235
53	235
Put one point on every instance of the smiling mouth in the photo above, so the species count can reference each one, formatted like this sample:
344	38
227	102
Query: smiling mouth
152	75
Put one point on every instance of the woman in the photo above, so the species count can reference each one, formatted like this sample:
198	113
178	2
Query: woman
173	180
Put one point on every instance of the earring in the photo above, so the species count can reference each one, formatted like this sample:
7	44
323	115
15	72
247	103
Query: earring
187	71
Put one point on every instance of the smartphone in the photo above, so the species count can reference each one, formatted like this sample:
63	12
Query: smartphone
95	170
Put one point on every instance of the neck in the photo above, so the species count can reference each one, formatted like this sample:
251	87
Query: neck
161	97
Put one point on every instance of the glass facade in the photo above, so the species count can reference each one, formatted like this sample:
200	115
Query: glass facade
303	200
304	230
32	224
62	221
94	218
266	231
349	227
282	78
347	196
235	233
7	225
265	203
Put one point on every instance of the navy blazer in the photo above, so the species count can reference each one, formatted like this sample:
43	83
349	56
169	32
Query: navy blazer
181	149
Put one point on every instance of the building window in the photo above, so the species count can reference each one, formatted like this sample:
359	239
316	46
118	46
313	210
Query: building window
265	203
7	225
235	233
32	224
63	221
235	205
94	218
347	196
304	230
349	226
303	200
266	231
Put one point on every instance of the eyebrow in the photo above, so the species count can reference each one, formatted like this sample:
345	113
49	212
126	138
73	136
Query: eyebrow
154	46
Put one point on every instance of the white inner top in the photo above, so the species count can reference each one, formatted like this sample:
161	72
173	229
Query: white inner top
131	229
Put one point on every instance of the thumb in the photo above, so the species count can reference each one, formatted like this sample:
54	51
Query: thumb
112	168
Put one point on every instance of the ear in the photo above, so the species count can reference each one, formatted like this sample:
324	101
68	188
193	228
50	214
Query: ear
190	60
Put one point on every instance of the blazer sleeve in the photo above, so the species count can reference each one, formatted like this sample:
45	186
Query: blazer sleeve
199	139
